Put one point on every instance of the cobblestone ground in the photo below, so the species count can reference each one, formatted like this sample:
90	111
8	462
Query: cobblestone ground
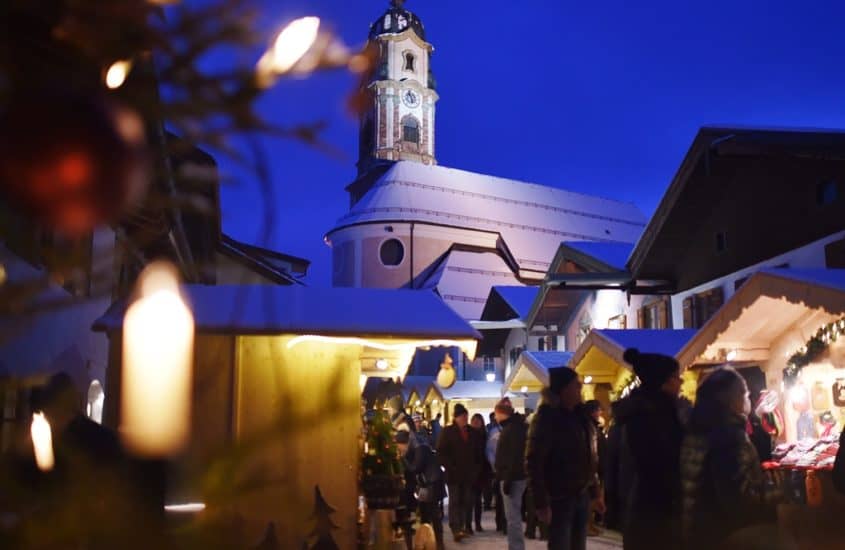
490	539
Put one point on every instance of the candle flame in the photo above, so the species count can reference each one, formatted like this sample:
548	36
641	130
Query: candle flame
117	73
42	442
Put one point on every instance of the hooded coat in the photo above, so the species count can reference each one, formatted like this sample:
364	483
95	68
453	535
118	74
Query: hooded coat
561	458
651	436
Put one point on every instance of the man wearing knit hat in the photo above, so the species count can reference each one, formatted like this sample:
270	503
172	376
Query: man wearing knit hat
510	468
650	422
562	461
461	452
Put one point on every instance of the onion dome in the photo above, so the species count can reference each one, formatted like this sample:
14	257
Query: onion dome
396	20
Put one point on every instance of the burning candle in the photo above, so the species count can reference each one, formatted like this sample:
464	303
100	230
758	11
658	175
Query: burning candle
158	341
42	442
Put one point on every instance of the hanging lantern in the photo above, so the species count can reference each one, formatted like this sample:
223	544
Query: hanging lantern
71	162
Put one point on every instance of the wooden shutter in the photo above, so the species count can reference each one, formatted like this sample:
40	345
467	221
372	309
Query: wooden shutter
663	313
715	299
689	312
641	317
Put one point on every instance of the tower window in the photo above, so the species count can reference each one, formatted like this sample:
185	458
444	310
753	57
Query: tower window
410	62
411	130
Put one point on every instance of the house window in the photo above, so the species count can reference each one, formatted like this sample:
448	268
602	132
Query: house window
489	364
410	62
392	252
584	328
654	315
699	308
618	322
411	130
826	192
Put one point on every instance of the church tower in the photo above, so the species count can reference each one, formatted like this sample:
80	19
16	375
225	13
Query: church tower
399	123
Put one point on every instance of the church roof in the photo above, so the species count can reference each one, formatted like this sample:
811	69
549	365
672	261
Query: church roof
395	20
464	279
532	219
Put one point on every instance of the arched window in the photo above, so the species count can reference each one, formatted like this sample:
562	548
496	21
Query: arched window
96	397
410	62
411	130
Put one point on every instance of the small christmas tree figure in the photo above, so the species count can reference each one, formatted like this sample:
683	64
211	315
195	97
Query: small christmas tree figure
323	523
381	456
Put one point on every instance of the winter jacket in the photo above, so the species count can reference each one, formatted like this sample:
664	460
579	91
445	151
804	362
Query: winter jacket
462	459
422	463
724	489
617	477
652	437
561	458
493	433
839	465
510	452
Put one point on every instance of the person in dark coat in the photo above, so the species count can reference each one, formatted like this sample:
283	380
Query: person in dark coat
618	474
510	468
421	463
727	500
461	452
562	461
593	409
653	434
484	478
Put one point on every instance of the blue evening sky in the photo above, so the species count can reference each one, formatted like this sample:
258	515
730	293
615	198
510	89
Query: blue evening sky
598	97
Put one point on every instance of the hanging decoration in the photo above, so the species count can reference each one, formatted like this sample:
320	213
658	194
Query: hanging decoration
814	348
630	383
446	377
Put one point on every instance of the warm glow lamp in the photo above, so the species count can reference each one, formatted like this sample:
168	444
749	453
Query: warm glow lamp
42	442
158	341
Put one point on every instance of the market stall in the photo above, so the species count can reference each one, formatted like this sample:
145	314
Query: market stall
531	373
788	325
276	385
606	375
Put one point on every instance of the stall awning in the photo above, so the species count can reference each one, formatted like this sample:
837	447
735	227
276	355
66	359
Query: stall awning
359	312
531	372
600	354
771	304
466	390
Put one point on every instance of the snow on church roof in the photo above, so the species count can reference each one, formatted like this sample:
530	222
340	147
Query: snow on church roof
532	219
464	278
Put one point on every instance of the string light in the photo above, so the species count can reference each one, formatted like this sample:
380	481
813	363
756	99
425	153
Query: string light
814	347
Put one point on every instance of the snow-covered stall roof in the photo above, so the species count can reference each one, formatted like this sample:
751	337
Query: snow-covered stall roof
613	255
532	369
532	219
472	389
519	298
770	305
663	341
464	279
264	309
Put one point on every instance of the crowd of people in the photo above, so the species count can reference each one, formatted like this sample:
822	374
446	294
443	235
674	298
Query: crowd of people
666	474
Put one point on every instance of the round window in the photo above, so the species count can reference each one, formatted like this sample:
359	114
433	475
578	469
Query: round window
392	252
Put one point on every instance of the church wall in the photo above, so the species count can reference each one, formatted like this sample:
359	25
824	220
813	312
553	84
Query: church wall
396	50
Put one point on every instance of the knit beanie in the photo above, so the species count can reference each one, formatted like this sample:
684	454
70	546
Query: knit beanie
560	377
653	369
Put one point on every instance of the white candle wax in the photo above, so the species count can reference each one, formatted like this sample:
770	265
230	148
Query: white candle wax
42	442
158	340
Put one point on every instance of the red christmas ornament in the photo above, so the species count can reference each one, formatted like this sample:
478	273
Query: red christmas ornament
71	162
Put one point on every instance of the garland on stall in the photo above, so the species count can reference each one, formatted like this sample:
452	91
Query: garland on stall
814	347
630	383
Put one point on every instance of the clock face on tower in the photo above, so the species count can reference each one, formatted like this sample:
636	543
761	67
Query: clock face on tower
411	98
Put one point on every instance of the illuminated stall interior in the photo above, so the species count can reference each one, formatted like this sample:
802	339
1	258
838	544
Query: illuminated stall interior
598	360
772	317
277	375
478	397
531	373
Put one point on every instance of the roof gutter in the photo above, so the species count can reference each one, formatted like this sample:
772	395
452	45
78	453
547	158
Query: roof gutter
608	281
